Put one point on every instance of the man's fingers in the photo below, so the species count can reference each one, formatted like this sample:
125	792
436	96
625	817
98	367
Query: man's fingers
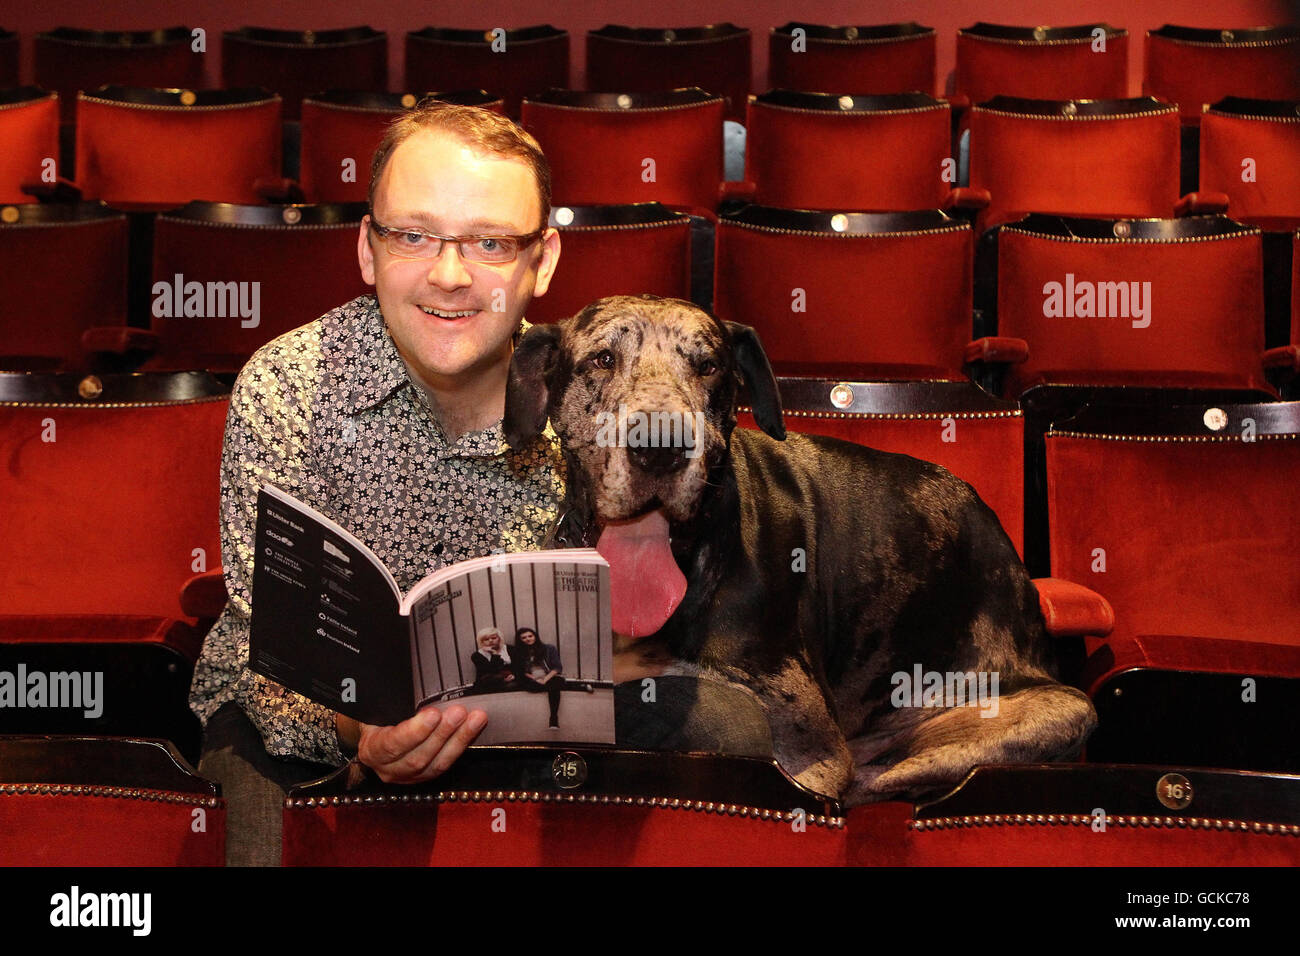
455	746
448	735
381	746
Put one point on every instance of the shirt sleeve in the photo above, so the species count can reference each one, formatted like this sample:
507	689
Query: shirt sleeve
267	441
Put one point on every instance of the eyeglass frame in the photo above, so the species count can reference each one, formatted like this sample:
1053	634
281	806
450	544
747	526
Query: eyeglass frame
522	242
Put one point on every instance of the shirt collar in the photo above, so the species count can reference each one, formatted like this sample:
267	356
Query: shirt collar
373	370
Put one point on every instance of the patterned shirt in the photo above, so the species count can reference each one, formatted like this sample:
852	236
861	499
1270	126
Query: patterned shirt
329	413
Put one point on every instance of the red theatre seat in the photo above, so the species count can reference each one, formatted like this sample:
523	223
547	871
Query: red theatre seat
29	129
42	312
616	250
228	279
1044	63
159	148
510	64
1183	518
1196	67
1250	151
715	58
341	128
70	61
877	295
76	801
613	148
1174	303
868	153
1102	815
980	439
109	501
1105	158
868	60
298	63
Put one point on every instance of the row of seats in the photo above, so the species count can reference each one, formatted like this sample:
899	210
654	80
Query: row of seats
1188	65
138	147
1169	527
1196	302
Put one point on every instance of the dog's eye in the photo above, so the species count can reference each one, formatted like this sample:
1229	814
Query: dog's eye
707	368
603	359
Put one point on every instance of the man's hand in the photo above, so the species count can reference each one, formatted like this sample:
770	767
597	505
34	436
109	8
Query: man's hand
419	748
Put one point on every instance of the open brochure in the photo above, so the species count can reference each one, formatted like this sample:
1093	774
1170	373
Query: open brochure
524	636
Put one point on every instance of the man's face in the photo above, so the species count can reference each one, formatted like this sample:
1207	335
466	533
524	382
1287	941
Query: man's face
436	182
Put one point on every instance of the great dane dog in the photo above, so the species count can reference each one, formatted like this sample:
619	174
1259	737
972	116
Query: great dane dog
828	578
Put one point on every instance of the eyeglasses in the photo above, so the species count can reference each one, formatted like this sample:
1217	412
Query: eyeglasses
411	243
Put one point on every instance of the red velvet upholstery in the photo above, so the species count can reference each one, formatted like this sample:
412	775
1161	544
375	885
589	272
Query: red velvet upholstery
105	518
1047	69
889	304
1266	190
169	155
983	448
29	130
860	61
303	271
1198	536
460	832
598	155
890	158
886	835
614	259
42	312
297	64
534	59
1071	610
634	60
1197	72
71	60
1205	308
1105	165
1211	655
108	802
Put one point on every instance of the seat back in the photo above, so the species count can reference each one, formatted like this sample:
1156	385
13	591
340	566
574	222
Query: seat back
1155	303
8	58
870	60
1195	67
1104	158
869	153
616	250
298	63
1044	63
70	61
167	147
853	294
29	129
110	495
1250	150
342	128
980	439
43	312
1183	518
509	64
228	279
614	148
105	801
715	58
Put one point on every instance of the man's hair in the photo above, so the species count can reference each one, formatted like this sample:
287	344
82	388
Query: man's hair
481	129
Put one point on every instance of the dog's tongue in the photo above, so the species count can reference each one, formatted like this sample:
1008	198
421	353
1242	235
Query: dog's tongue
645	583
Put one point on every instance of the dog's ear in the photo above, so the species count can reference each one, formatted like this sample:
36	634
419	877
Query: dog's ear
757	372
527	394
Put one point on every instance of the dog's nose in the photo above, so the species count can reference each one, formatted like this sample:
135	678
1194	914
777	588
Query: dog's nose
658	461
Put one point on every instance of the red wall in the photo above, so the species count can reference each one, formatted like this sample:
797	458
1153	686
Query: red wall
578	16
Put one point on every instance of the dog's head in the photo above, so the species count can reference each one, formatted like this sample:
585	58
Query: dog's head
641	392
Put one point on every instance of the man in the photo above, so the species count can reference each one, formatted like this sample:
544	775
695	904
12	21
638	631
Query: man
385	414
